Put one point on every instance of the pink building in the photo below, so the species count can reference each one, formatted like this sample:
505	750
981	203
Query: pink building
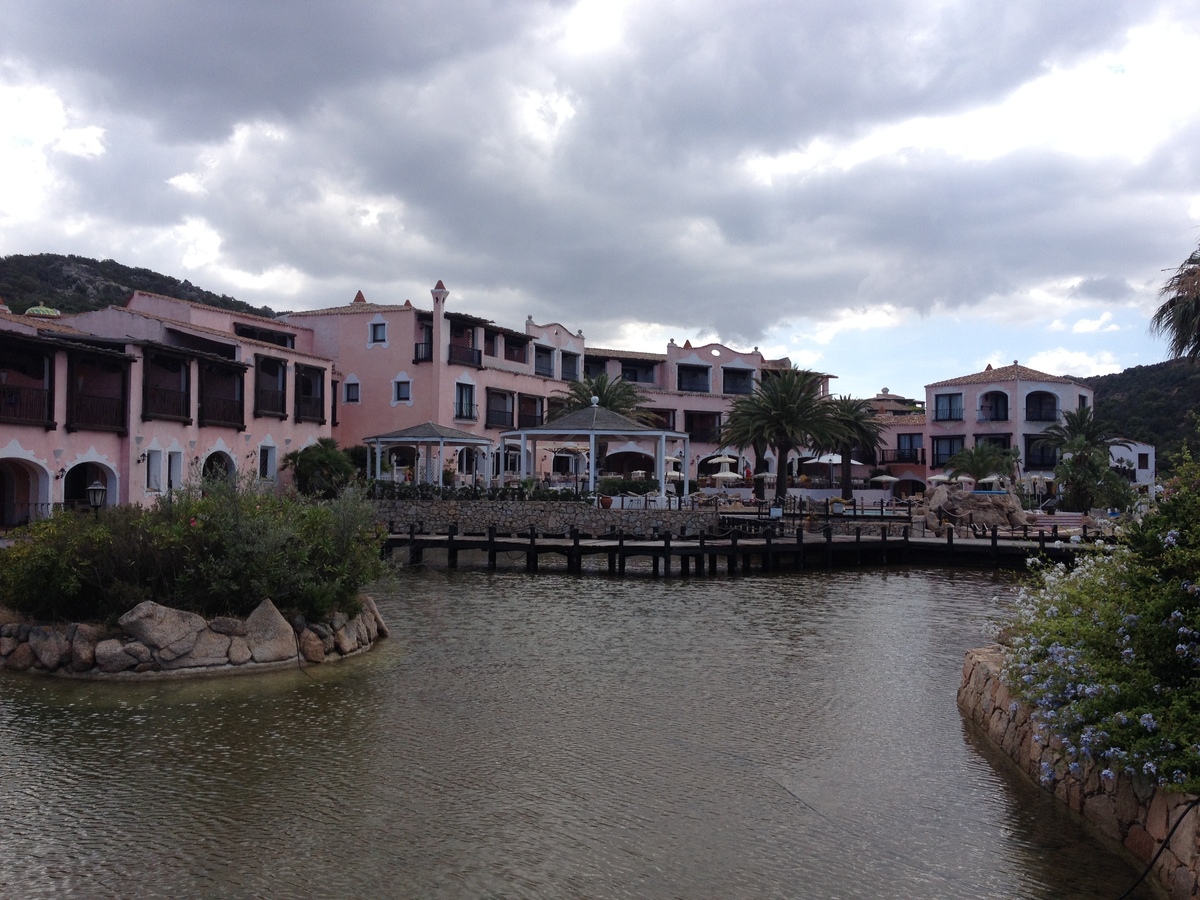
143	398
1009	407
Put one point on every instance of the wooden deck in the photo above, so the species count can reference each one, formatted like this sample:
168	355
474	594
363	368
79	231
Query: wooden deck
731	552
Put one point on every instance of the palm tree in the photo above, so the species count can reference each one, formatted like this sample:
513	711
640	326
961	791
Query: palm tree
322	470
1178	319
786	411
739	432
856	427
616	395
981	461
1079	426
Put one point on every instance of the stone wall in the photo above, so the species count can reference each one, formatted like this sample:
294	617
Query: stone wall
1130	809
157	639
512	516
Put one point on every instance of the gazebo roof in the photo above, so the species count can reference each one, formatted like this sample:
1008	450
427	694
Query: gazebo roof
429	433
579	424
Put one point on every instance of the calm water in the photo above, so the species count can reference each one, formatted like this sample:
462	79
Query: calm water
557	737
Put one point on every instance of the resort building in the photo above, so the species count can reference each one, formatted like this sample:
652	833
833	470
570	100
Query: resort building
139	399
1010	406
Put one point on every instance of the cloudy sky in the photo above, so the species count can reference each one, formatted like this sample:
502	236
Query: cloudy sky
892	191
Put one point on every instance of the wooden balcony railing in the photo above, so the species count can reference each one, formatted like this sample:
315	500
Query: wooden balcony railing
164	403
101	413
914	455
529	420
222	411
269	402
25	405
499	418
465	356
310	409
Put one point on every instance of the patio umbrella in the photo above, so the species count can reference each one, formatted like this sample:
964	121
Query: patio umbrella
886	479
723	460
938	479
726	475
834	459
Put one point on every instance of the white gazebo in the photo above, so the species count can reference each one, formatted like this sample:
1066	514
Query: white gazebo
425	438
596	424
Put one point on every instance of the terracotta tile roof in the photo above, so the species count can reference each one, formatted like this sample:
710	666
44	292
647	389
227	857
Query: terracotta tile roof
912	419
624	354
357	309
1014	372
42	323
207	306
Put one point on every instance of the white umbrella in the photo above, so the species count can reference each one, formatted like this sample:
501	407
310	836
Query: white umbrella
831	459
886	479
727	476
938	479
672	459
724	460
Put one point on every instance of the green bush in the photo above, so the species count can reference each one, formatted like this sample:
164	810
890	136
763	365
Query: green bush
219	549
1108	654
615	486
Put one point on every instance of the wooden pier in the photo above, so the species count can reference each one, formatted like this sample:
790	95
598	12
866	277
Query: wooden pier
733	551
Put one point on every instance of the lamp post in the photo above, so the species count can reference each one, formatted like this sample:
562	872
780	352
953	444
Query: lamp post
96	493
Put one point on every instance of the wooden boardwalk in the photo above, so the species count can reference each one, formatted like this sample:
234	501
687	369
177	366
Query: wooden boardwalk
732	552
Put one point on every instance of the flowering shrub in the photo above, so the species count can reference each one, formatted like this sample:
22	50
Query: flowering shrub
216	550
1108	654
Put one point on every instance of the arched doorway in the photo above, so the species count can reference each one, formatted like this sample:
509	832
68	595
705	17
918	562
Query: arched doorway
77	480
24	495
218	466
624	463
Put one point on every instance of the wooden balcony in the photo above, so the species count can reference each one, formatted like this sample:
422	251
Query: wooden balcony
222	412
93	413
464	356
165	403
25	406
269	402
310	409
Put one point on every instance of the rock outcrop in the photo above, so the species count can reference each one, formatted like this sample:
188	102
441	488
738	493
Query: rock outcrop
155	638
951	507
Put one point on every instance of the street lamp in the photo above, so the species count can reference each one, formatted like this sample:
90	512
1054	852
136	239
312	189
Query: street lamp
96	492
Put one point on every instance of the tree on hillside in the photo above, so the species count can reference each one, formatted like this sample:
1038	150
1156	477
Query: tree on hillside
856	429
616	395
1178	319
787	411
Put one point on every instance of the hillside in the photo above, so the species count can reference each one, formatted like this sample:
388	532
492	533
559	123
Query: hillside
1156	403
78	284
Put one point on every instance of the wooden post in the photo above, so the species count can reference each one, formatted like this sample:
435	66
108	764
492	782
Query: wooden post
733	541
1041	540
858	545
414	552
996	544
798	563
950	539
768	561
621	552
531	560
451	550
882	539
666	536
491	547
700	555
575	561
828	546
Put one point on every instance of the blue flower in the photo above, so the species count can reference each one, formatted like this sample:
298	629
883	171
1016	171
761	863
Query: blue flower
1147	722
1107	774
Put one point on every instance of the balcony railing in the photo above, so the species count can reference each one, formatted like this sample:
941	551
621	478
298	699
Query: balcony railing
948	415
164	403
104	413
529	420
499	418
466	411
992	416
543	367
695	385
310	409
423	352
704	435
912	455
464	356
222	411
24	405
1037	414
269	402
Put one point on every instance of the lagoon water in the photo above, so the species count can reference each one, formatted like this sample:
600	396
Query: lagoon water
549	736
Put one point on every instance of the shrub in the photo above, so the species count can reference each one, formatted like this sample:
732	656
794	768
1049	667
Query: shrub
1108	653
219	549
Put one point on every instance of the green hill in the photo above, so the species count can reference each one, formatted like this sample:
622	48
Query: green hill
1157	404
78	284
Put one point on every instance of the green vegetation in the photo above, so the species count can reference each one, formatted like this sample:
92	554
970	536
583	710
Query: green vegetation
321	469
614	486
1108	654
217	549
79	284
786	411
617	395
1082	443
857	429
1179	316
1156	404
982	461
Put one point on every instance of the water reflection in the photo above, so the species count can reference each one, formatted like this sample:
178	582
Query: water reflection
557	737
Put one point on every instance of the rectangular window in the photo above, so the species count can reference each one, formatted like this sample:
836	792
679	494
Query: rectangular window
352	392
516	350
174	470
464	401
153	470
1083	401
378	332
401	391
266	463
499	409
1037	454
694	378
1143	461
570	366
945	447
489	343
737	381
948	408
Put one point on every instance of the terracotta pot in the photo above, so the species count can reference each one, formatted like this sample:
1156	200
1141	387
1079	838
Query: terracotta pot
605	502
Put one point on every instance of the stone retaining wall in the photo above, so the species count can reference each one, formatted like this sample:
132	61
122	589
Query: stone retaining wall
512	516
154	639
1130	809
